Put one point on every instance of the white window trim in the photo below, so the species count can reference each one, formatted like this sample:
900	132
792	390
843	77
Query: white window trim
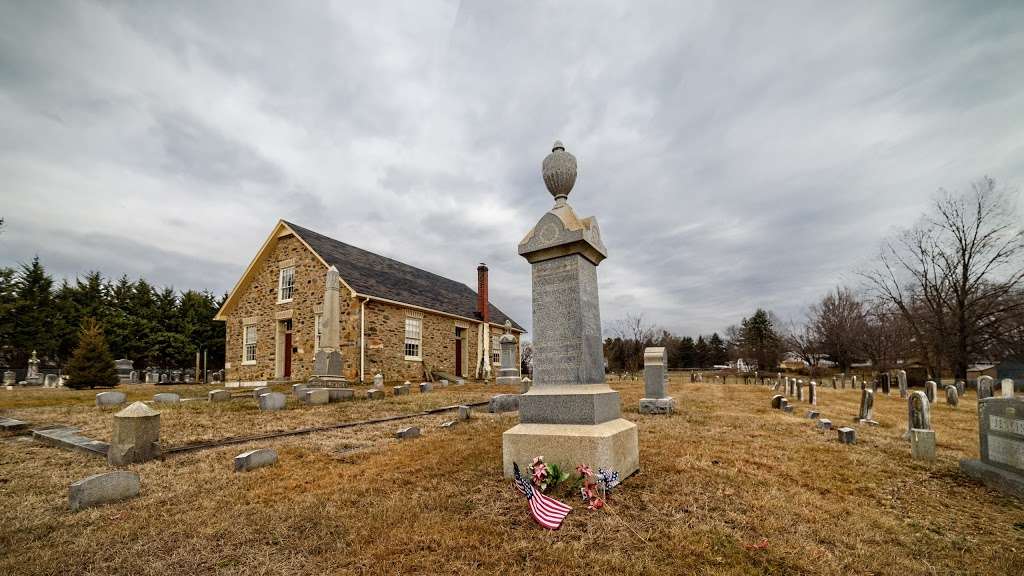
419	340
280	285
317	331
245	344
495	350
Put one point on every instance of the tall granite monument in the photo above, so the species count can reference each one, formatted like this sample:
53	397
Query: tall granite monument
570	415
327	360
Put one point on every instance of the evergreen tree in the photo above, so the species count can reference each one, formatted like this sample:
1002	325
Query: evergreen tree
8	299
91	364
687	353
717	350
33	318
703	353
759	341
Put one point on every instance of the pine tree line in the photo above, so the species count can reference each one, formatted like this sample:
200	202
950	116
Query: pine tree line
154	327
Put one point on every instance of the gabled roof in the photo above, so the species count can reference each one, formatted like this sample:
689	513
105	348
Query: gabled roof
378	277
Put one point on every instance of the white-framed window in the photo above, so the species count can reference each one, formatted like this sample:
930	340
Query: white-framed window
316	331
495	349
249	344
286	284
413	338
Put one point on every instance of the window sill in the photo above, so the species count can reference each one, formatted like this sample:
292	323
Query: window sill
288	301
248	362
413	359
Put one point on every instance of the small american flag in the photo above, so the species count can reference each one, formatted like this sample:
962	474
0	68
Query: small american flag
547	511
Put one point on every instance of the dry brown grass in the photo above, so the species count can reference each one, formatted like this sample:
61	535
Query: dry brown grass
721	475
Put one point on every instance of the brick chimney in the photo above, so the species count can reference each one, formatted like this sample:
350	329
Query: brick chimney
482	298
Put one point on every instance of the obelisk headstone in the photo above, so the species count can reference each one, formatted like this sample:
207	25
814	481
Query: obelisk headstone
327	360
570	415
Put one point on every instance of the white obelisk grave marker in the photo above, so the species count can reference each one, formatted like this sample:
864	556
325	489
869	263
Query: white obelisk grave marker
570	415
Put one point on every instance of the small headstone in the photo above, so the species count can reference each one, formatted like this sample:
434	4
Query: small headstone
930	390
503	403
444	382
260	391
166	398
777	401
425	387
400	390
9	378
952	396
51	381
272	401
113	398
812	414
901	380
341	394
409	432
317	396
524	385
656	399
922	444
374	394
799	390
886	383
847	435
918	412
1007	387
961	387
867	404
835	383
824	424
103	488
378	381
985	387
253	459
465	412
163	378
218	396
788	408
299	390
136	435
812	393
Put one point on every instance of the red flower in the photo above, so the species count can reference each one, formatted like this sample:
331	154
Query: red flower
584	471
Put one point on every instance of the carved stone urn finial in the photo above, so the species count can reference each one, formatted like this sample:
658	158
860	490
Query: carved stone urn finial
559	170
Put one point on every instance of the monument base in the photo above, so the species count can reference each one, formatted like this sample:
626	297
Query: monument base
507	380
1003	480
657	405
610	445
327	381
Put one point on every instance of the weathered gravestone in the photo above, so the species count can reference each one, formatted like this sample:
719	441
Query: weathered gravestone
260	391
918	412
136	435
9	378
961	387
985	387
922	444
886	383
799	390
374	394
524	385
400	390
824	424
33	377
509	373
218	396
931	390
1007	387
253	459
272	401
1001	438
427	387
299	390
901	380
504	403
317	396
867	405
378	381
777	401
847	435
812	393
114	398
409	432
465	412
952	396
341	394
813	414
656	399
166	398
570	415
103	488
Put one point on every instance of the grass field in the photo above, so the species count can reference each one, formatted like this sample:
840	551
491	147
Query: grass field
721	476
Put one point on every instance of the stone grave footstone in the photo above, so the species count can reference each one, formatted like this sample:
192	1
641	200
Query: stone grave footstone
408	432
425	387
812	414
374	394
218	396
253	459
272	401
777	401
846	435
465	412
317	396
824	424
113	398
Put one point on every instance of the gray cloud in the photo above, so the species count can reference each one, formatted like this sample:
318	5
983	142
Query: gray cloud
735	156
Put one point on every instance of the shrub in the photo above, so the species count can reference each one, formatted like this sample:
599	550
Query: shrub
91	364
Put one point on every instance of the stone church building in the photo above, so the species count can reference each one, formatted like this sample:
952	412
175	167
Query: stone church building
395	319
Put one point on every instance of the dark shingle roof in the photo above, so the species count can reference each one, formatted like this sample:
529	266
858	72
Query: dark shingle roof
374	275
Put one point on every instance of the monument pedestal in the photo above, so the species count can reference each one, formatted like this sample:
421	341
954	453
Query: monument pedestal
612	445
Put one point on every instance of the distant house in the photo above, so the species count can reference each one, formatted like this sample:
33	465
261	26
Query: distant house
1012	368
792	361
395	319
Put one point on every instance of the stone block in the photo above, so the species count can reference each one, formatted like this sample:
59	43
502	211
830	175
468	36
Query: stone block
847	435
260	391
253	459
444	382
524	385
136	435
408	432
503	403
922	444
824	424
425	387
657	405
272	401
12	425
299	390
374	394
113	398
812	414
341	394
788	408
465	412
218	395
400	390
166	398
378	381
317	396
611	445
103	488
569	404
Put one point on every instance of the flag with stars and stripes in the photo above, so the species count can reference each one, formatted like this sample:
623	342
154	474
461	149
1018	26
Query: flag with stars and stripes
547	511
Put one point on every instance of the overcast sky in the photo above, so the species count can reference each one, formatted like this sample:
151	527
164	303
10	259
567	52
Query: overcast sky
737	155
